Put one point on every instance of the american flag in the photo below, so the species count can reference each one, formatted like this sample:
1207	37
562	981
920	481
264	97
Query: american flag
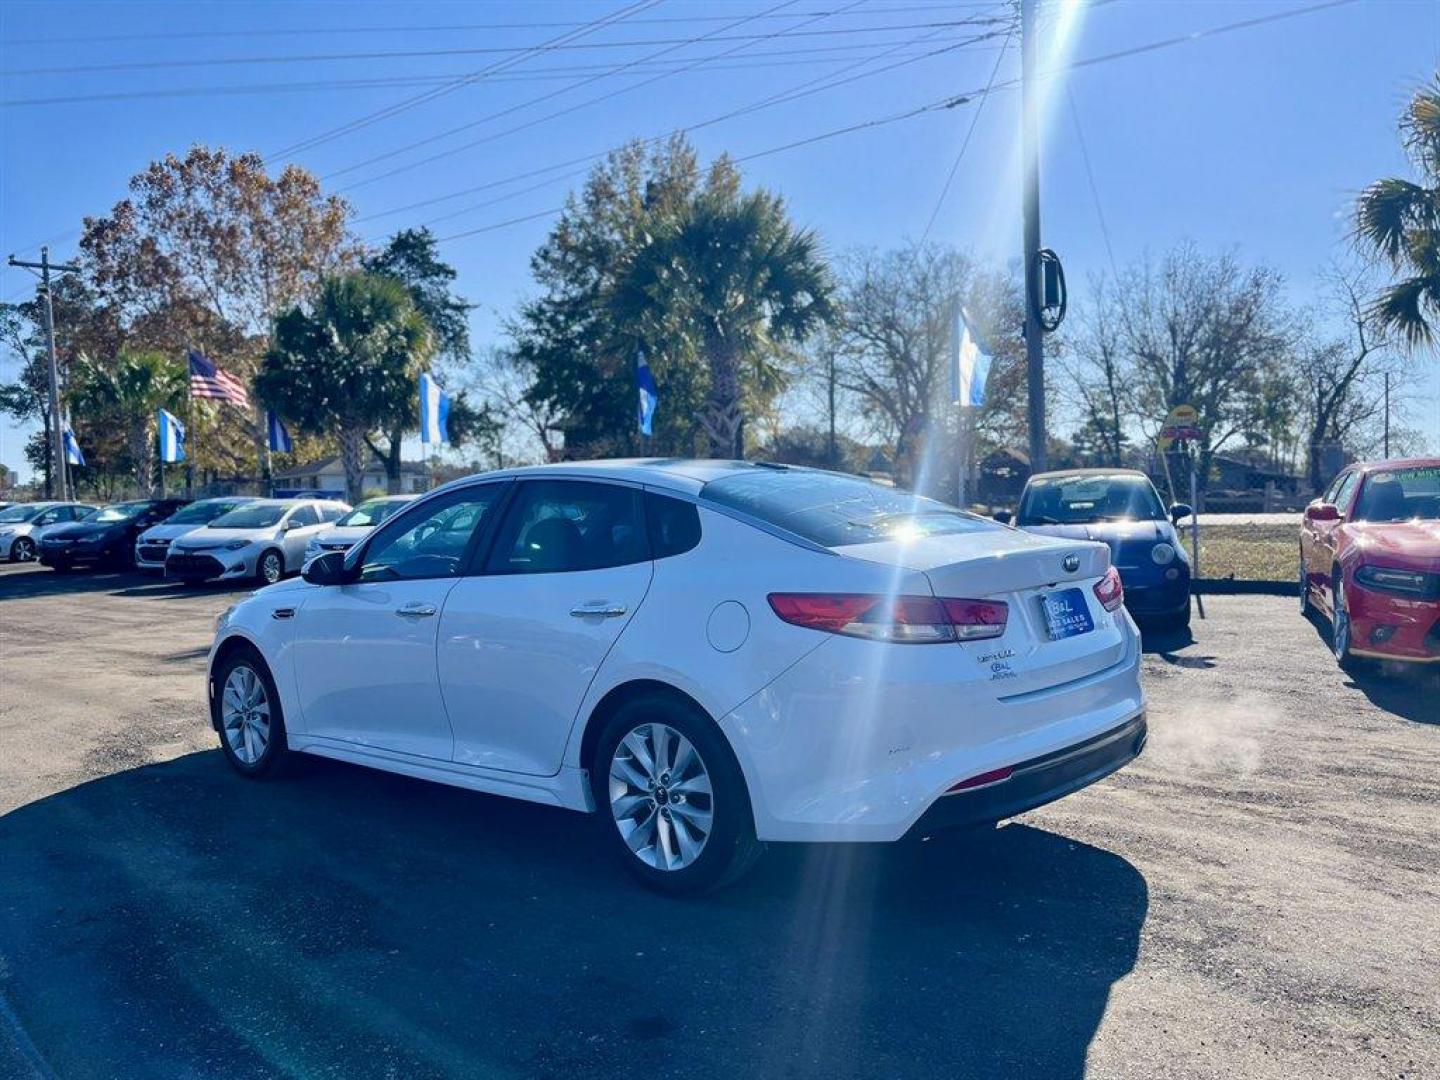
208	381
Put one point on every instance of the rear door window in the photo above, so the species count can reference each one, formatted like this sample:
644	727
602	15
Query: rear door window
555	526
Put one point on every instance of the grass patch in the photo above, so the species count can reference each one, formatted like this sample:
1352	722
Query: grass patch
1248	552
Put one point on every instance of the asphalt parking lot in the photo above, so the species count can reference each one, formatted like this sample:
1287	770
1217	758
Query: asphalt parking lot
1257	896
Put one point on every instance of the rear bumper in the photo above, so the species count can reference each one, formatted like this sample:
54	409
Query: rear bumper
1039	781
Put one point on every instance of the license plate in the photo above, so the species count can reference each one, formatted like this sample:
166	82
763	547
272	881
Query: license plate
1066	614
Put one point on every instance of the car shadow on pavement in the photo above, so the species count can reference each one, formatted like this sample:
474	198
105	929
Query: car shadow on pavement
1410	691
175	919
34	582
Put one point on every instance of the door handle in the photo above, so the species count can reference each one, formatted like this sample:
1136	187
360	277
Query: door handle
415	610
600	608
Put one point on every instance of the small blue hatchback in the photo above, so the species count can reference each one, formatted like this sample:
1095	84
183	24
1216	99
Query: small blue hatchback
1121	508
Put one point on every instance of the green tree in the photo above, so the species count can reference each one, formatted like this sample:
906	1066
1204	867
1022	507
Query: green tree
732	279
1400	220
411	259
123	395
348	365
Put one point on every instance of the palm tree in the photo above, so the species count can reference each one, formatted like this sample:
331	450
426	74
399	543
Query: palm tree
128	392
1400	220
348	366
732	278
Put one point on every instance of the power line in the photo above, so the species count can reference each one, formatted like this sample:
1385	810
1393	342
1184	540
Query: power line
1090	176
956	101
427	96
757	61
425	54
336	31
564	90
965	143
805	89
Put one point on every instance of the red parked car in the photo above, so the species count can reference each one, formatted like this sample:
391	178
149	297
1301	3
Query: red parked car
1370	559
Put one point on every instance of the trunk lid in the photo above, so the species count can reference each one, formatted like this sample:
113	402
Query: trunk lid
1020	569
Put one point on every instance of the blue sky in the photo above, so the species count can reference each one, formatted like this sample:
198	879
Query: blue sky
1254	140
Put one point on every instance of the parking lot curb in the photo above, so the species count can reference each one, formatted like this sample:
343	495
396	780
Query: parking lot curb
1242	587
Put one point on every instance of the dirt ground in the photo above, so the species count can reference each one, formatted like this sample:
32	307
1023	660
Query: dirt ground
1256	896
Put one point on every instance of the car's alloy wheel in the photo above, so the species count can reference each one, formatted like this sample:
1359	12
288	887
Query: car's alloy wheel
1341	630
661	797
271	568
671	797
23	550
1304	588
245	715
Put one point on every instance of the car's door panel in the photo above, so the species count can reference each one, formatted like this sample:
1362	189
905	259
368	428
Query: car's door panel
365	652
520	644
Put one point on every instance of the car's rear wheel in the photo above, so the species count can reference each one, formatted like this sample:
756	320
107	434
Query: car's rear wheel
671	797
23	550
247	713
271	567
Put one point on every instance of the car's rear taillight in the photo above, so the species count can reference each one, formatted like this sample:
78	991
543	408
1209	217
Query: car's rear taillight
1109	590
913	620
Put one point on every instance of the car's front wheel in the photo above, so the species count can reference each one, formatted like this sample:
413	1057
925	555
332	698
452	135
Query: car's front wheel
671	797
271	567
246	711
23	550
1341	630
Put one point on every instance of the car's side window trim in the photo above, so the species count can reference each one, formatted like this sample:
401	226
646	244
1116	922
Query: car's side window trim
481	566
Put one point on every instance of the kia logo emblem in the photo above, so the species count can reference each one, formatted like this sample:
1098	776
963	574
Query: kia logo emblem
1071	563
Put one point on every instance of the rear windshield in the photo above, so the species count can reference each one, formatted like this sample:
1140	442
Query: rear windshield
1078	500
372	513
251	517
198	513
1400	495
834	510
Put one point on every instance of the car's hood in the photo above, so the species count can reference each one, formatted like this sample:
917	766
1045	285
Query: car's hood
24	528
168	532
205	538
82	530
1108	531
1399	543
348	534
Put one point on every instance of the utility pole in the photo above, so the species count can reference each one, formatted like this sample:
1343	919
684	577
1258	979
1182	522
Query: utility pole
58	487
1034	333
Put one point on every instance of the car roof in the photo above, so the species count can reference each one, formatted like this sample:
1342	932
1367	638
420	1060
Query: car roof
686	475
1398	463
1090	472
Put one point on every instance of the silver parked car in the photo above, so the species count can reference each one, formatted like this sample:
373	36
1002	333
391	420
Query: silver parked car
154	543
23	524
264	539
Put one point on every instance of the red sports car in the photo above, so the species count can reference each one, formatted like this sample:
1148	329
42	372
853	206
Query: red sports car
1370	558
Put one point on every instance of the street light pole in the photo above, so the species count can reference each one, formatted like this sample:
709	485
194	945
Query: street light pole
1030	262
58	487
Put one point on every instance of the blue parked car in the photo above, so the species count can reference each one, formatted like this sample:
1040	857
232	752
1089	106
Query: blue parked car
1121	508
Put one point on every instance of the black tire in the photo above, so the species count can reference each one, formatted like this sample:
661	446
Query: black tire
1306	607
1180	620
23	550
276	748
730	848
61	567
268	559
1341	631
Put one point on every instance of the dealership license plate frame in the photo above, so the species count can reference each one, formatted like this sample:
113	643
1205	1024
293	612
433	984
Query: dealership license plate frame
1065	614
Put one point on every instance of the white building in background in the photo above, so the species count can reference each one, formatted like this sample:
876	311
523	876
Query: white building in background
328	475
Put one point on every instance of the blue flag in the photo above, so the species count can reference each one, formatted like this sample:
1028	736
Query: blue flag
279	436
649	396
434	412
73	456
172	437
969	364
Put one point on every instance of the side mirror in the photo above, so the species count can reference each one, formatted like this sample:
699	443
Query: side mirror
1322	511
1004	517
326	569
1179	512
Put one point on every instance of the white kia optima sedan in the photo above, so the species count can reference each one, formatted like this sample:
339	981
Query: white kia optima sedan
708	655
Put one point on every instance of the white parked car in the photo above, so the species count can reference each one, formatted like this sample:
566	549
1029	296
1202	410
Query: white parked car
153	546
23	524
708	654
356	525
263	539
